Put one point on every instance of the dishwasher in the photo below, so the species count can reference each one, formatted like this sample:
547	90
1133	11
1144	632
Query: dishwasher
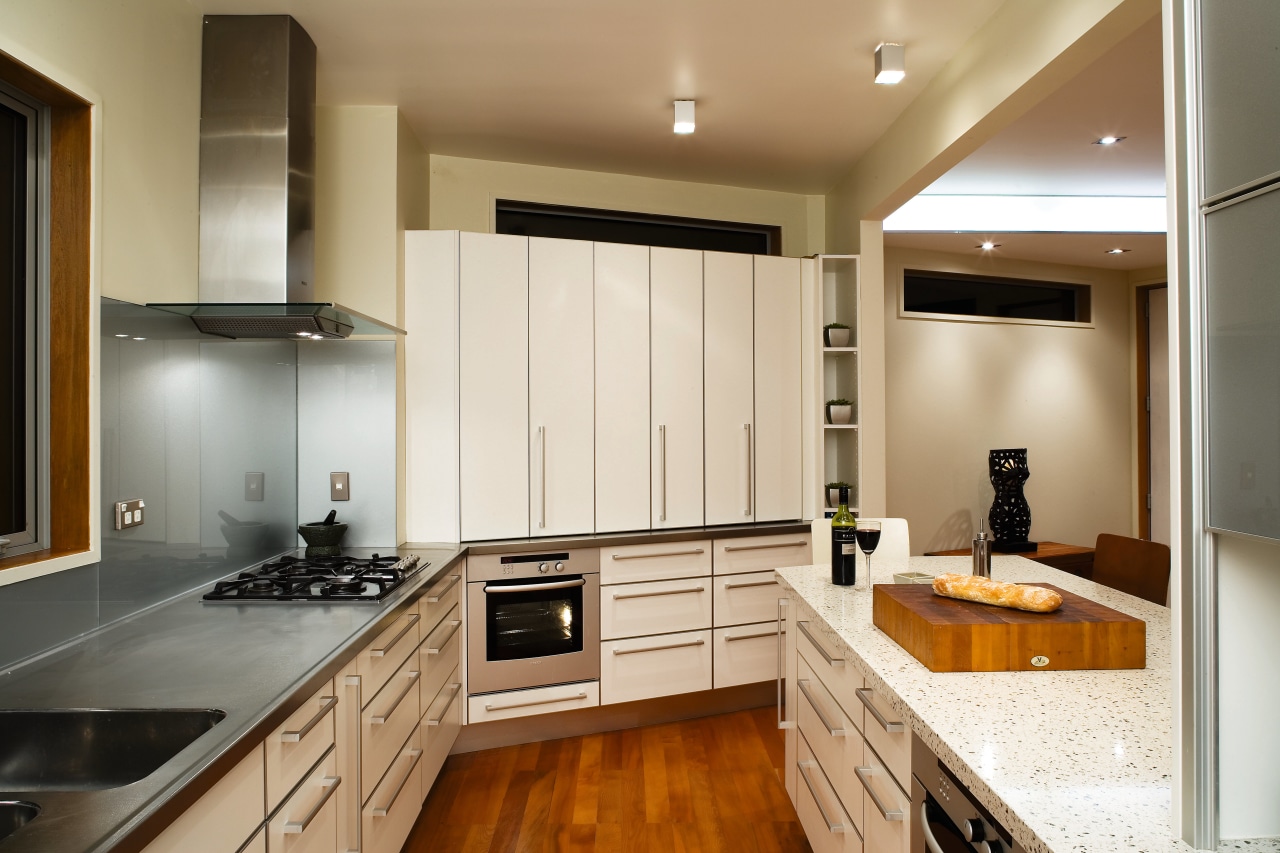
945	816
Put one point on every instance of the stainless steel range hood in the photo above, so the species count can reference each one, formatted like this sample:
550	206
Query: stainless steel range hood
257	186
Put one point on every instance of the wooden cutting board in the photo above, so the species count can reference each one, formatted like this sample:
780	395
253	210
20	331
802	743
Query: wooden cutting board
950	635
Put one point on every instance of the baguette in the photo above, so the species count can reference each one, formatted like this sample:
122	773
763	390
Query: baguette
987	591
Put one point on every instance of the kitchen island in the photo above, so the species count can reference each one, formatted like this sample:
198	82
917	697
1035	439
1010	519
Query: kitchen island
1067	760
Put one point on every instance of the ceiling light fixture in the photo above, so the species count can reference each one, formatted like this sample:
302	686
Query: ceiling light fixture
1118	251
684	117
1110	140
987	246
122	336
891	63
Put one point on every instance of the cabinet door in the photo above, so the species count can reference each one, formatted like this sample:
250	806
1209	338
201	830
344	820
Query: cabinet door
622	387
729	395
493	416
675	335
777	389
561	388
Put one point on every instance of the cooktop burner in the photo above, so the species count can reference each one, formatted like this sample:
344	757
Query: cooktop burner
319	579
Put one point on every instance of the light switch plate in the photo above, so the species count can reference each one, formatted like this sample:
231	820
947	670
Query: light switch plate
254	485
129	514
339	486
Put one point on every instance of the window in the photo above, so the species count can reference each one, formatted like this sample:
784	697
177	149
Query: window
939	293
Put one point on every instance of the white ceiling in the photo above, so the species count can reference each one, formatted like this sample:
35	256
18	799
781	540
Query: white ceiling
1083	250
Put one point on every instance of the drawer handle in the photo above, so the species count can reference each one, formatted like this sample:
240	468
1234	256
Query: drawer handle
617	597
534	587
804	629
327	704
836	828
728	585
660	648
456	623
803	684
297	827
729	639
433	597
395	795
655	556
885	723
457	688
729	549
864	776
380	720
582	694
414	618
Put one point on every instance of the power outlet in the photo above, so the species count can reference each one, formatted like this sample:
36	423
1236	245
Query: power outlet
129	514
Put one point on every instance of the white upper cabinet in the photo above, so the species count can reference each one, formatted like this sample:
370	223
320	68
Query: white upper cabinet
729	399
561	387
493	386
675	334
778	490
622	387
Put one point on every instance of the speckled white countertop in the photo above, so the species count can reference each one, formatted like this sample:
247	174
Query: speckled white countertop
1067	761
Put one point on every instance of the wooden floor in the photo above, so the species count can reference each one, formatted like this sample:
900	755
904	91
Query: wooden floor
711	784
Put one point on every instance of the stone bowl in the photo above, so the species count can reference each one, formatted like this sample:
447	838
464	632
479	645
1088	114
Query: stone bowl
323	540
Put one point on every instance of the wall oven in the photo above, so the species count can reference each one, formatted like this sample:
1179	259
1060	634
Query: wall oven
532	620
945	817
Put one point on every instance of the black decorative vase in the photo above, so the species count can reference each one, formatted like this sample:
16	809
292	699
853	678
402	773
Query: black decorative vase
1010	516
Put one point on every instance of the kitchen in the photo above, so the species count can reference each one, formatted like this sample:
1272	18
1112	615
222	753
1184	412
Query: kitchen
147	159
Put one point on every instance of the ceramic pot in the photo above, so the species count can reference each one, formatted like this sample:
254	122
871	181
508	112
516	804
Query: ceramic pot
836	337
839	414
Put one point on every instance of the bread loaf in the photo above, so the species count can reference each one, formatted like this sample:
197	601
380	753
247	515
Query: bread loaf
987	591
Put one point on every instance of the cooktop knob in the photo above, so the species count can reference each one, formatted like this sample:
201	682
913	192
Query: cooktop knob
973	829
559	567
542	568
992	846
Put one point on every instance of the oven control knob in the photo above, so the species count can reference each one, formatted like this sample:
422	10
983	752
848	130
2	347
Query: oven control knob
992	846
973	830
543	568
559	567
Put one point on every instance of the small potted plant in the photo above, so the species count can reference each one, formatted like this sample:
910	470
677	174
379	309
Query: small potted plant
839	411
833	492
835	335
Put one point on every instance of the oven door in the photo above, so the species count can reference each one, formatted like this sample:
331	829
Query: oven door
533	632
931	830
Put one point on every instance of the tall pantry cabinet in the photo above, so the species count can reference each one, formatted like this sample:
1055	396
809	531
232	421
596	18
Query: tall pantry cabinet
729	399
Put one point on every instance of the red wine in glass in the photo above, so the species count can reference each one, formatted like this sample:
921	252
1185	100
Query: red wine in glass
868	536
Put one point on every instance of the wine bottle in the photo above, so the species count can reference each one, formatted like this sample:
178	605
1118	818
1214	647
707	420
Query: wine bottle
844	544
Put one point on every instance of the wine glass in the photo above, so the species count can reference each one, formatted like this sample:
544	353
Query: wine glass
868	535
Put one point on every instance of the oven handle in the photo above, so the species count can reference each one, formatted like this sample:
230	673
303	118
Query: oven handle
536	587
929	840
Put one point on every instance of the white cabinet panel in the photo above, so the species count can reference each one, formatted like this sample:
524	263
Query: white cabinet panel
536	700
777	480
729	306
561	387
308	821
298	743
441	723
662	665
493	416
745	598
761	553
224	817
389	815
658	607
663	561
622	387
675	334
745	654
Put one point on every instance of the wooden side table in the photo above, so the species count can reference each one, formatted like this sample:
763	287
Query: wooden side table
1075	559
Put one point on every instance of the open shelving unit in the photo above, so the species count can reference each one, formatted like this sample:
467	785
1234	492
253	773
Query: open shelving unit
840	445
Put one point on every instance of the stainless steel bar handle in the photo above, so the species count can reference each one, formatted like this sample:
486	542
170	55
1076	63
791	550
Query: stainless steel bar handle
327	704
662	467
803	684
382	718
395	795
729	549
581	694
331	784
835	828
435	650
542	475
864	774
729	639
885	723
782	723
747	509
414	618
688	553
456	687
660	648
930	841
617	597
804	629
535	587
749	585
434	597
354	685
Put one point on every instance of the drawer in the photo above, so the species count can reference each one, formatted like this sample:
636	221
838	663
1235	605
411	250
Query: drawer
660	607
761	553
826	824
294	748
888	735
228	813
886	810
740	599
745	654
443	596
631	563
439	655
308	820
835	742
645	667
378	660
391	810
258	844
839	676
536	700
441	722
386	722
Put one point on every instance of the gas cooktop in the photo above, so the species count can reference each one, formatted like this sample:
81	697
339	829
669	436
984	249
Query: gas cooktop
326	579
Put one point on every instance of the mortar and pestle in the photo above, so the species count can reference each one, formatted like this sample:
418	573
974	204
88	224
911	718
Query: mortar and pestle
243	537
323	538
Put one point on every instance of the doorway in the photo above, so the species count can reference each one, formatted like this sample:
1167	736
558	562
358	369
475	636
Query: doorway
1153	413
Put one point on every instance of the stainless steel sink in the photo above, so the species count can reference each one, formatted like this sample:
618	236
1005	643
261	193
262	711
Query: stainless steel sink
89	750
13	814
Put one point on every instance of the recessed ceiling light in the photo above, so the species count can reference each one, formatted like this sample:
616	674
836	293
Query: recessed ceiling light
122	336
317	337
987	246
684	117
1118	251
1110	140
139	339
891	63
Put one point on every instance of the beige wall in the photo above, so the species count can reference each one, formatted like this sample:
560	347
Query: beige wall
463	192
956	390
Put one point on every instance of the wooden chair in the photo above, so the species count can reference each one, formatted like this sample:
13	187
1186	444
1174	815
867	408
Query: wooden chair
1135	566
